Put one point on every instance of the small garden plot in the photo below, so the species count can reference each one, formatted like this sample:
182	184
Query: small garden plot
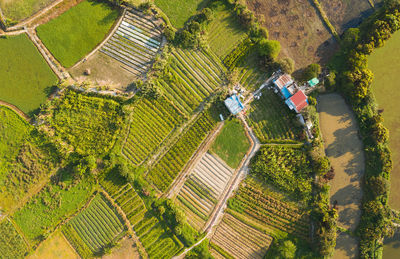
232	143
179	11
54	247
224	31
286	168
299	29
25	77
17	10
88	124
254	203
191	77
272	121
76	32
250	74
97	226
203	188
151	123
12	244
135	43
170	165
346	14
239	239
56	201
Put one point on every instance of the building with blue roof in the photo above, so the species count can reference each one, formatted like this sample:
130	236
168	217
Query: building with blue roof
234	104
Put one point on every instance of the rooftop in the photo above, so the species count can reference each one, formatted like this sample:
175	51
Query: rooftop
234	104
299	100
283	81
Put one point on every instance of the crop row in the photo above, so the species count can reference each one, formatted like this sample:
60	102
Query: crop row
12	244
237	54
165	171
77	243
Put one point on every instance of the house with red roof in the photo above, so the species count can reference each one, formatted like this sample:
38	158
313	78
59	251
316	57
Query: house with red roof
298	101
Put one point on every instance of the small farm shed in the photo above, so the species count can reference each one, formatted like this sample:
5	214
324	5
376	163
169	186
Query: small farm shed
298	101
234	104
313	82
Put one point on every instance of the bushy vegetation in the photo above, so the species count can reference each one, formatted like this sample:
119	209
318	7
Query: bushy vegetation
286	168
88	124
17	10
76	32
354	79
12	244
25	78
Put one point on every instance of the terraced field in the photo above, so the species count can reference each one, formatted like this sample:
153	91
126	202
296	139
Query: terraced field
170	165
94	228
192	76
151	123
135	43
203	188
272	120
239	239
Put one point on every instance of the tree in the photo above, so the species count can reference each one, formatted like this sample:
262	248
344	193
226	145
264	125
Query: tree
286	65
350	38
269	48
310	72
379	133
287	250
169	34
322	165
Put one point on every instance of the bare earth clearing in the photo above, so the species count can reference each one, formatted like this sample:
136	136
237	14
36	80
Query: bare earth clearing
345	151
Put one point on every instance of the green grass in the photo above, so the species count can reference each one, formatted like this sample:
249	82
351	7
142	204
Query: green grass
20	9
25	77
12	244
224	32
75	33
231	144
385	89
179	11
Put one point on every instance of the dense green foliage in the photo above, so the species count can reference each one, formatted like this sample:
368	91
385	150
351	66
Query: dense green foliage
165	171
151	122
12	244
88	124
269	48
25	77
98	225
231	144
354	79
233	58
286	168
76	32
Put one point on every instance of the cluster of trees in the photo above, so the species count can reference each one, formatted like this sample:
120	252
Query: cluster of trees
354	80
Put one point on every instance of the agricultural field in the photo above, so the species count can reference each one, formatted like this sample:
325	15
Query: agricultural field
55	247
12	244
299	29
272	121
251	77
191	77
54	203
135	43
286	168
224	31
231	144
203	188
346	14
152	121
238	240
258	205
25	77
89	124
17	10
68	42
95	228
26	159
170	165
179	11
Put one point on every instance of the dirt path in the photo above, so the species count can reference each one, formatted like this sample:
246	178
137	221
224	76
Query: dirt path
345	151
15	109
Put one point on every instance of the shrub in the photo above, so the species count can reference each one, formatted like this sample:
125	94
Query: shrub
287	65
269	48
313	70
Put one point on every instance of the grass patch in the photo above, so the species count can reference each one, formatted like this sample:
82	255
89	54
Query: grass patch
55	247
12	244
17	10
224	32
231	144
76	32
25	77
179	11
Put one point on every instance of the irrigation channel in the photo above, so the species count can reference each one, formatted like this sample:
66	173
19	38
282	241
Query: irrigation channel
344	149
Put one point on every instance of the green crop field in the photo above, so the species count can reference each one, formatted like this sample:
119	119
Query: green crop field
89	124
179	11
231	144
76	32
25	77
17	10
385	90
12	244
224	32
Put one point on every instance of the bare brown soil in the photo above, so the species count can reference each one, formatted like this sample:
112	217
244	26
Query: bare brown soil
345	151
296	24
128	250
104	71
